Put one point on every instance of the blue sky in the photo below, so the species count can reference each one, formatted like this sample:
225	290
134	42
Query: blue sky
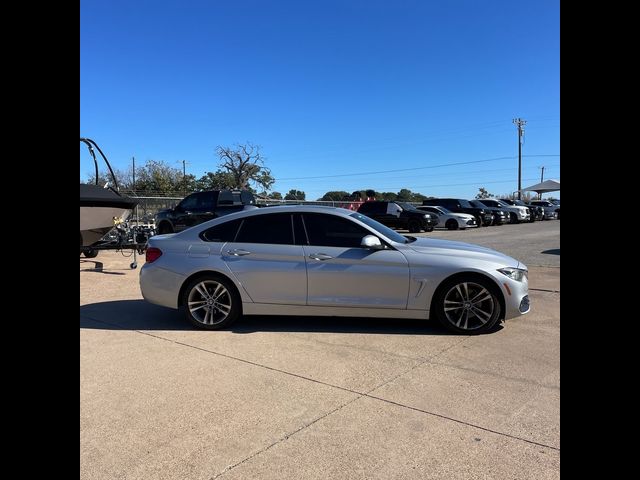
328	88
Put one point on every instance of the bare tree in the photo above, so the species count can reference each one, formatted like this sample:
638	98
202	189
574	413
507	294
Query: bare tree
246	164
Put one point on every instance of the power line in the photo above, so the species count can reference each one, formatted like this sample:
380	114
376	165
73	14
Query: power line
411	169
440	175
451	184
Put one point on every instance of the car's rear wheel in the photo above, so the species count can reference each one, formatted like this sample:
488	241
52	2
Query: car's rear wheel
451	224
467	305
211	302
414	226
91	253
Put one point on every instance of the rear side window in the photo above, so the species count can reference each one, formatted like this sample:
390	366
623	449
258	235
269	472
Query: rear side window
333	231
275	228
224	232
225	198
247	198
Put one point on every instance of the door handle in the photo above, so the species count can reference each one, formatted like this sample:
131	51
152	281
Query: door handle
238	252
320	256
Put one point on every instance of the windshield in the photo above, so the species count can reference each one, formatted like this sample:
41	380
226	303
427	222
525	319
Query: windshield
386	231
520	202
506	203
444	210
465	204
406	206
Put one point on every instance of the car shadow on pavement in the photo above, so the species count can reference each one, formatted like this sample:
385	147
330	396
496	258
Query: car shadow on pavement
553	251
98	267
141	315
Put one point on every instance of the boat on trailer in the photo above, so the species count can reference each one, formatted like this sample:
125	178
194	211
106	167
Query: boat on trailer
101	208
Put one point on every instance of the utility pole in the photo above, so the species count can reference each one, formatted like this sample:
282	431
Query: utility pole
541	180
133	159
184	176
520	123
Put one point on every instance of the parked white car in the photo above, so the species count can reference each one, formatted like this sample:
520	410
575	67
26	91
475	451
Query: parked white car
449	219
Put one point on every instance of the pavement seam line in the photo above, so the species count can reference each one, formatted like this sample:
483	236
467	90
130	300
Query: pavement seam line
285	437
360	394
544	290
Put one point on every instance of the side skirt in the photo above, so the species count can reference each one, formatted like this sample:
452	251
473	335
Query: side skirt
306	310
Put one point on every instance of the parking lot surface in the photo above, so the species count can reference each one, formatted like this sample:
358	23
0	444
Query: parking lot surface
304	397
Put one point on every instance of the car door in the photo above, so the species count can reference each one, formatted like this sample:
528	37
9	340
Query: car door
204	209
183	213
265	260
342	273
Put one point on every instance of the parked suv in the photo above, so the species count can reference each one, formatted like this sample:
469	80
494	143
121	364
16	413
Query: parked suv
500	216
518	213
399	215
202	206
548	207
458	205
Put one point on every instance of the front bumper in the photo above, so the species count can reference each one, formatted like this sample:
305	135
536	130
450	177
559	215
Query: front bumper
516	297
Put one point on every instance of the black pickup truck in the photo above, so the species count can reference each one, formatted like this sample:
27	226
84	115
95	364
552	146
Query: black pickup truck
459	205
202	206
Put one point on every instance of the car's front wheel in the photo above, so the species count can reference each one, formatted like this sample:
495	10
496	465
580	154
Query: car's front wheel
211	302
414	226
451	224
467	305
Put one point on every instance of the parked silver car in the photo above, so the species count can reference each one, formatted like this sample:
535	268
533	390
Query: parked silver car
309	260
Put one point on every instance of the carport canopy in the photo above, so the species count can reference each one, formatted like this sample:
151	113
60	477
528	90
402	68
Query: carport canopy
544	187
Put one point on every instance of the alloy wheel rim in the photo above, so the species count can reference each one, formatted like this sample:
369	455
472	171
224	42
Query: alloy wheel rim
209	302
469	305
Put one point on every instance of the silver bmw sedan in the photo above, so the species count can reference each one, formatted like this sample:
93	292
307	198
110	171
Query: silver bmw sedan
310	260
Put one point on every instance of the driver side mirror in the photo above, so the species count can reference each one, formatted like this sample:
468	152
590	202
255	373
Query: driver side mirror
372	242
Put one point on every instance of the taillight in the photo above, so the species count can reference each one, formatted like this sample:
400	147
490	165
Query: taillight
153	254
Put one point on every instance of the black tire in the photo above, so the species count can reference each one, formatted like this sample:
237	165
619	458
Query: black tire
428	229
165	227
92	253
414	226
479	220
211	313
513	217
463	314
451	224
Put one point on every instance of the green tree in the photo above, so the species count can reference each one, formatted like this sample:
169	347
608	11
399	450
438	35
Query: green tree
275	196
388	196
123	178
245	163
217	180
334	195
482	193
405	195
157	177
294	194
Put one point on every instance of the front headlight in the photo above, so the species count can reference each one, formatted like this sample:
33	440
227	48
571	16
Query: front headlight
516	274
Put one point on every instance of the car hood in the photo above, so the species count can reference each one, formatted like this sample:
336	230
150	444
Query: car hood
462	249
464	216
